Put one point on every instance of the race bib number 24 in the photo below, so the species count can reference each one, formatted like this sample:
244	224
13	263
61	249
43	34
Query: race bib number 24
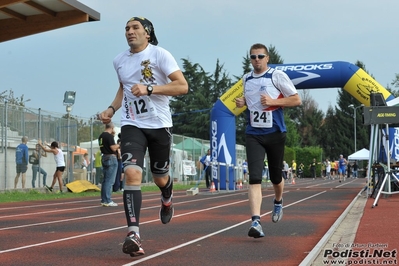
261	119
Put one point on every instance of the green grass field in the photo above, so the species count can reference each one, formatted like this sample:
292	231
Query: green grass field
32	194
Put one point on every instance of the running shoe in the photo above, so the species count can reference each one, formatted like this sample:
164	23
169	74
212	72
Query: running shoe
166	212
110	204
50	189
256	230
132	245
277	212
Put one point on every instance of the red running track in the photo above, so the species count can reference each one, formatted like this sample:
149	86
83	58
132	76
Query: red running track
207	229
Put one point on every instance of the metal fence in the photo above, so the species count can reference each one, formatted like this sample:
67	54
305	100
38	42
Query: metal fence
18	121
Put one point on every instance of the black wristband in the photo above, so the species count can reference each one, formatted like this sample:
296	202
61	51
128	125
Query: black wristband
113	108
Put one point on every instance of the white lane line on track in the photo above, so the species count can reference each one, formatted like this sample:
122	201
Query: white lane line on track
61	203
63	210
105	214
124	227
330	182
157	220
210	235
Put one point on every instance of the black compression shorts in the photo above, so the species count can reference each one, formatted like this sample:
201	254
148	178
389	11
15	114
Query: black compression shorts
134	143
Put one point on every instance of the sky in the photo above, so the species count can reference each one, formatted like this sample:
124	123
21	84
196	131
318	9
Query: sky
44	66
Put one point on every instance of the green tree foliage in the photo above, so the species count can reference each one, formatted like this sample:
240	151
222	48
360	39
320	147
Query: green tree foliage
192	111
309	119
274	56
241	122
329	139
342	123
305	155
293	138
84	130
395	83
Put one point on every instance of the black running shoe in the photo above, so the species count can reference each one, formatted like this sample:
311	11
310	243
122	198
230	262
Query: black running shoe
49	188
166	212
132	245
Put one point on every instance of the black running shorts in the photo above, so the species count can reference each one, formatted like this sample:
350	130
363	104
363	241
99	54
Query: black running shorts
134	143
273	146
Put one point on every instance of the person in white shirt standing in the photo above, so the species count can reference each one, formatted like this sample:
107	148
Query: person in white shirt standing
60	164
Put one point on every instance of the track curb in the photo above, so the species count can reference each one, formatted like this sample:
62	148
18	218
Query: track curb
343	231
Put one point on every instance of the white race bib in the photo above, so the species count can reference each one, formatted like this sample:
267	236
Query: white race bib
142	108
261	119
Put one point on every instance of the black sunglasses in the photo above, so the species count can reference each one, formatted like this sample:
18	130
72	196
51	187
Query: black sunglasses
260	56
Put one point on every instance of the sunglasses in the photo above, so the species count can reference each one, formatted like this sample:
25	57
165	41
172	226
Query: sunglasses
260	56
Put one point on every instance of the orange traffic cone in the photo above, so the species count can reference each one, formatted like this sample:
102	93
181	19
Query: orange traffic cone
212	187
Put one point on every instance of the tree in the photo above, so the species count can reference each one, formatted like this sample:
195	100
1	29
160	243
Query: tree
309	120
186	114
293	138
342	125
241	122
329	139
394	83
192	112
17	101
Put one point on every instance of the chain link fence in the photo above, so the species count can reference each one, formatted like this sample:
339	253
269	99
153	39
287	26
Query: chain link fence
18	121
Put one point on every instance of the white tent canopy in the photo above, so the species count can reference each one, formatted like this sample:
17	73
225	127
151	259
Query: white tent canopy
363	154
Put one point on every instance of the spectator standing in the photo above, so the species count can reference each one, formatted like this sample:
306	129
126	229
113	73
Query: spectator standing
285	170
60	164
21	160
245	170
85	161
323	170
333	171
293	169
300	170
312	167
355	168
265	172
118	185
34	159
207	167
328	169
336	166
348	170
109	162
99	168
